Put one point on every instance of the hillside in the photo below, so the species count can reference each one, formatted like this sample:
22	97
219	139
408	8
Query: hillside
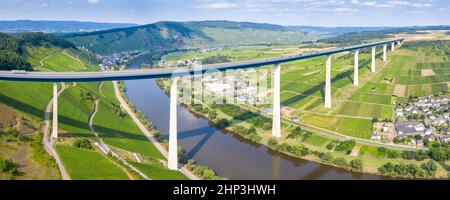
19	26
177	35
13	48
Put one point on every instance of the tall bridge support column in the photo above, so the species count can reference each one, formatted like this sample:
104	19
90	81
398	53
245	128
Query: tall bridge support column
276	117
393	47
385	53
173	143
374	64
55	111
356	73
328	82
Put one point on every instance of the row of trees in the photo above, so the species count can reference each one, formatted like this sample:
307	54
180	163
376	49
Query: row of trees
409	170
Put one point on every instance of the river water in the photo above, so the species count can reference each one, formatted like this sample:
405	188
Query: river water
228	154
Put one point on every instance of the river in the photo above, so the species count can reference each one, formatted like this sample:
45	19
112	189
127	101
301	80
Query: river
228	154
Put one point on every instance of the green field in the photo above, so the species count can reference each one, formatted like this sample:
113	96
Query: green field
84	164
157	172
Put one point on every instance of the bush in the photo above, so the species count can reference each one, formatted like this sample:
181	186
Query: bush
356	165
346	146
272	143
295	134
202	172
223	123
393	154
440	154
327	157
408	170
8	166
340	162
82	143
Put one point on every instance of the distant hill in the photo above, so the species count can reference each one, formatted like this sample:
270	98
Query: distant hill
20	26
13	51
177	35
334	31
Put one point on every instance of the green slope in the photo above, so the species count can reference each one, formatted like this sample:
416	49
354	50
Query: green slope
175	35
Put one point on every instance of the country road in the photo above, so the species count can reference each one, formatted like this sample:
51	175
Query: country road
49	145
141	126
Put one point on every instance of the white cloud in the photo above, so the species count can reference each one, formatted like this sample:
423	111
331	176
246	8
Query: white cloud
217	5
93	1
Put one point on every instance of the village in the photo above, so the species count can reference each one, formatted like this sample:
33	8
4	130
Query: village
420	122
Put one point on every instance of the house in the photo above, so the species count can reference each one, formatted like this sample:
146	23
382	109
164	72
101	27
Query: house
409	128
376	136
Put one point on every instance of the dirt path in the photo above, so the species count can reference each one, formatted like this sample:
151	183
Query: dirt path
100	89
146	132
49	144
104	145
75	58
41	63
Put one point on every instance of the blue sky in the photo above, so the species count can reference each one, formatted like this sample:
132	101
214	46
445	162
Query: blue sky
284	12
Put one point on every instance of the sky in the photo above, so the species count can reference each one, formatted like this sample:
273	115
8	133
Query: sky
330	13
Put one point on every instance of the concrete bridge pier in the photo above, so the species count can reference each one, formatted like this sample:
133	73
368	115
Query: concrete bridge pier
173	143
328	82
356	73
374	49
385	53
55	111
276	117
393	47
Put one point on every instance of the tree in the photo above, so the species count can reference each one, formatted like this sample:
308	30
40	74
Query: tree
223	123
439	154
82	143
272	143
356	165
212	114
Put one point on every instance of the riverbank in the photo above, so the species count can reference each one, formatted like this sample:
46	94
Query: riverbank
314	148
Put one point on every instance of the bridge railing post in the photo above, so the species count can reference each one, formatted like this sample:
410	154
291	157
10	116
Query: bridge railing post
328	82
276	117
55	111
173	135
356	73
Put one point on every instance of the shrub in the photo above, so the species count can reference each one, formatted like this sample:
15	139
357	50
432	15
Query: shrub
346	146
272	143
356	165
393	154
82	143
340	162
295	134
439	154
8	166
223	123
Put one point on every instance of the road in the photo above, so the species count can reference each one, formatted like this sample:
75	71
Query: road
167	72
49	144
147	133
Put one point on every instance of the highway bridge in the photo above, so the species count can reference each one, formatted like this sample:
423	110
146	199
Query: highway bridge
56	77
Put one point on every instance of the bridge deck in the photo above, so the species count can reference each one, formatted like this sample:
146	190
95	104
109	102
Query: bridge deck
166	72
